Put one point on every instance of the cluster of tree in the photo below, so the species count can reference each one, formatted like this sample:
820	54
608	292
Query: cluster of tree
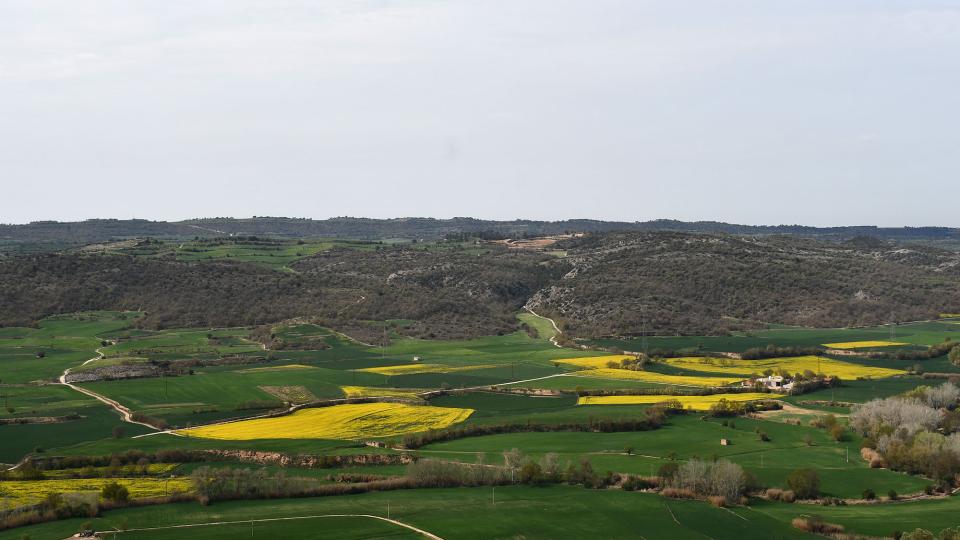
666	391
653	418
725	407
721	478
216	484
831	425
934	351
916	433
771	351
137	458
637	363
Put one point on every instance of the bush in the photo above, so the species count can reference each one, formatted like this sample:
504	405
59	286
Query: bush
869	494
115	492
678	493
718	501
805	483
892	494
816	525
918	534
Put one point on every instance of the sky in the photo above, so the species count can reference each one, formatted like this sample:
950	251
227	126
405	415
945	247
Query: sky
815	112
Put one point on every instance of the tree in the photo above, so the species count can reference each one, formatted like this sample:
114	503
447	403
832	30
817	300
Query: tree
513	458
531	473
954	355
668	471
550	464
116	492
805	483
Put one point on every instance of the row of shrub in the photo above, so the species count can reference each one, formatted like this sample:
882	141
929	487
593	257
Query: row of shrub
652	419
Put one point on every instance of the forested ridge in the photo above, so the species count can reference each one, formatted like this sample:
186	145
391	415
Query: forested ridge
616	283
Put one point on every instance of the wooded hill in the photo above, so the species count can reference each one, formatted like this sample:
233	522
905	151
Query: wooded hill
662	283
104	230
609	283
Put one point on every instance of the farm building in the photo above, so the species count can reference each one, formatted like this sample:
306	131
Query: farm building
771	382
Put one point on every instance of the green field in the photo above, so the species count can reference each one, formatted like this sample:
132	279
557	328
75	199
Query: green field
272	252
844	474
922	333
519	512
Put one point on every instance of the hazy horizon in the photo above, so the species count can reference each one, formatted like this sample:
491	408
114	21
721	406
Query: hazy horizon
816	113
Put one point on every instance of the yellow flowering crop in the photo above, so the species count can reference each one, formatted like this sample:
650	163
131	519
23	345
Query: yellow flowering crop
351	421
699	403
371	391
596	362
793	364
862	344
657	378
15	493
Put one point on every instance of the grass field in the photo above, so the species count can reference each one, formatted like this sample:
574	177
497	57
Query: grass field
519	512
271	252
921	333
697	403
797	364
406	369
842	472
353	421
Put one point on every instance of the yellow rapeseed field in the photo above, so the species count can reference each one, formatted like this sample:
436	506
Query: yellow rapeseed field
793	364
406	369
862	344
698	403
25	492
371	391
657	378
351	421
595	362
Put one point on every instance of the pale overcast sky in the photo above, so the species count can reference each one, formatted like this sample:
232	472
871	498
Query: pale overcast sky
821	112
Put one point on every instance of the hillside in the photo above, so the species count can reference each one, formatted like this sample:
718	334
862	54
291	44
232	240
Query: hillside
665	283
446	294
610	283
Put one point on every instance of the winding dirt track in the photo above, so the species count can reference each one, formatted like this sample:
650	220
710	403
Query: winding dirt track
553	338
124	412
422	532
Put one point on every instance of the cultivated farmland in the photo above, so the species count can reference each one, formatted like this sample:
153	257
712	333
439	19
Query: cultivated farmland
353	421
